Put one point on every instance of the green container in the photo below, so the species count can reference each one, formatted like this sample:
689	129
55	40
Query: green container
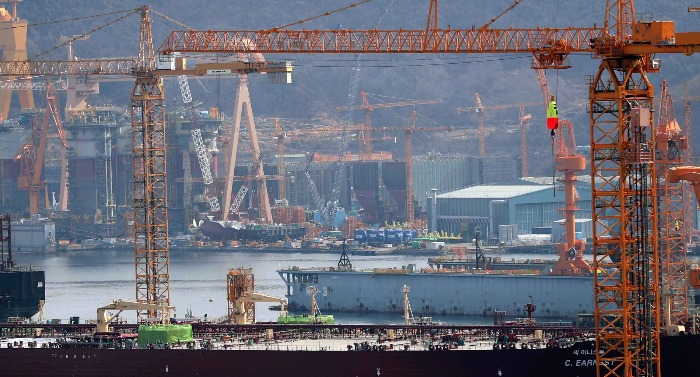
164	334
305	319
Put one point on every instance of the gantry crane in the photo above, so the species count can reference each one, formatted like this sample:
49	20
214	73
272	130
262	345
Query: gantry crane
243	106
13	41
479	108
365	134
670	145
622	142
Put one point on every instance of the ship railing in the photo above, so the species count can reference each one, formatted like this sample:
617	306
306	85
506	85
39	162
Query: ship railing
19	269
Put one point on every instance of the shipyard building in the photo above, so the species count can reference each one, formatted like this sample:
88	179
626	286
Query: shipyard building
523	206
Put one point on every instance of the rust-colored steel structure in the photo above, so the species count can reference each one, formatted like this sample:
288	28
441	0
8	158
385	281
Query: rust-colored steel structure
622	143
240	281
624	204
149	179
670	146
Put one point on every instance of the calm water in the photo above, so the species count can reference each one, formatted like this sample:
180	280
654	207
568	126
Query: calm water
79	282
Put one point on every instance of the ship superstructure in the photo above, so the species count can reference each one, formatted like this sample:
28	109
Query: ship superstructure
22	290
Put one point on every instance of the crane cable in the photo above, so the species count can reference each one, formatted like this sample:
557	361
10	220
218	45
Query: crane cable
86	34
499	16
320	15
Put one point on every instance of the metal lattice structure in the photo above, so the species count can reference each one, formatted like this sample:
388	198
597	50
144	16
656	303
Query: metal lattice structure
670	145
624	220
240	281
149	178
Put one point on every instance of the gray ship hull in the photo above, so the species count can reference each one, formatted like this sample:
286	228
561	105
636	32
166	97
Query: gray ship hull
439	293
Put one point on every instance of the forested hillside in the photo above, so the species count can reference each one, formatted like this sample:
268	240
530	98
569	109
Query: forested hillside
321	81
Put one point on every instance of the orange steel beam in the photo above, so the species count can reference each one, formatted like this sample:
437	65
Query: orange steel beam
670	145
555	43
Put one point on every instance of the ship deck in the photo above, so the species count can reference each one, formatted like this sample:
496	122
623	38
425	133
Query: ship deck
317	337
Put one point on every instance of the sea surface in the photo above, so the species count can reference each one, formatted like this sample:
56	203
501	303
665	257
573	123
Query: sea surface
78	282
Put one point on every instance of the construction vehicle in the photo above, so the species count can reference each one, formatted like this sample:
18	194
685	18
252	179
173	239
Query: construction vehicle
104	319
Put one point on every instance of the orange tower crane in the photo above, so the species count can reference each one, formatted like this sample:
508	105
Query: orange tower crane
670	145
622	142
366	131
31	156
524	119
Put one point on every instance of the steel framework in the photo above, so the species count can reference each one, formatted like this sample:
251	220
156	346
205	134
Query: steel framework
239	282
670	145
149	177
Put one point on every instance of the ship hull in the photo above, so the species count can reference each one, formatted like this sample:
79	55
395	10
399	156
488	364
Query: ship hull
440	293
577	361
20	293
219	232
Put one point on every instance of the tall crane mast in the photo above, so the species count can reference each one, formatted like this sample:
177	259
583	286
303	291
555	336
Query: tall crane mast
622	142
670	145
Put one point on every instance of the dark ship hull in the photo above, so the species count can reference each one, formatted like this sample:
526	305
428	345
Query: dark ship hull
20	292
575	361
265	233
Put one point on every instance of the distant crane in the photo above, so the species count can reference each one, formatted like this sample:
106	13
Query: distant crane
670	145
480	109
31	156
365	137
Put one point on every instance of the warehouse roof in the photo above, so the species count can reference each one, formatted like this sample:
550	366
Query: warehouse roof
492	192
